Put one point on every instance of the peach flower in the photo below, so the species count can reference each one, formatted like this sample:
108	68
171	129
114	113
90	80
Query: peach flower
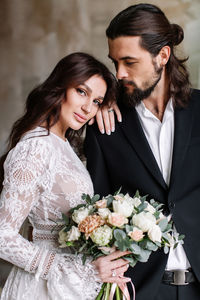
136	235
89	224
101	203
117	220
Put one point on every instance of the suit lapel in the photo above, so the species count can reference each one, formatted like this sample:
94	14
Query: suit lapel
133	131
183	127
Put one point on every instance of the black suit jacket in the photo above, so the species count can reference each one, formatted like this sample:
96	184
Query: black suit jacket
125	160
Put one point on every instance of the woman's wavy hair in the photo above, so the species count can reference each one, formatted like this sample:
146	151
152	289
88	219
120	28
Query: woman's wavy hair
43	104
151	24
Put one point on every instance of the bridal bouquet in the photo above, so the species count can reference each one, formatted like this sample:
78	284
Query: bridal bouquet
118	222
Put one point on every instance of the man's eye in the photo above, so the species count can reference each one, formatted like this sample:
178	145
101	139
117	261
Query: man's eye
129	63
81	92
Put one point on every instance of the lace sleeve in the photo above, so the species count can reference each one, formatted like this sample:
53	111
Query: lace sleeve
24	171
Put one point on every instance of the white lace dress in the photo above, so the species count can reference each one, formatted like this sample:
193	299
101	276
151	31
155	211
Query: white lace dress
43	179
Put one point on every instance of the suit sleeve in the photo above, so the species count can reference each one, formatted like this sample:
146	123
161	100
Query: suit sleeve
96	163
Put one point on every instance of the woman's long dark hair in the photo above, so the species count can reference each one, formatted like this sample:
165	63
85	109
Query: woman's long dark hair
43	104
151	24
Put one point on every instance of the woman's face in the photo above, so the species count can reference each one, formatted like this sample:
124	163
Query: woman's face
82	103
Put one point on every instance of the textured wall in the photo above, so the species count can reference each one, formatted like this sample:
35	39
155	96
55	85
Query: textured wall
35	34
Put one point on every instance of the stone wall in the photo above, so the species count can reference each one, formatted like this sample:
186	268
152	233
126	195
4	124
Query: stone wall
35	34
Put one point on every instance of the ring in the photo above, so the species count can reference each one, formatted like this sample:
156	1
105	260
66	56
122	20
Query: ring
110	109
114	273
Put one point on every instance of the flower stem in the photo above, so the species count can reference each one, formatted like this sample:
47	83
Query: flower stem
117	293
101	292
108	285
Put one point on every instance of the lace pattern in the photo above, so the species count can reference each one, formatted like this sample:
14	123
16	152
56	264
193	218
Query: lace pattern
43	179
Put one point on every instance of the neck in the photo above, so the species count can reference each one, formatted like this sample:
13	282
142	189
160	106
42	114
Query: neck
159	98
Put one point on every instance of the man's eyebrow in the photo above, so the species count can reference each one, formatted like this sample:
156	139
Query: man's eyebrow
123	58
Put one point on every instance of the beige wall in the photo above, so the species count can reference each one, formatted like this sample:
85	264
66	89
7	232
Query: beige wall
35	34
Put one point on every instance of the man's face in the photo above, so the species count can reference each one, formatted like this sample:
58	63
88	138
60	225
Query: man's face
137	71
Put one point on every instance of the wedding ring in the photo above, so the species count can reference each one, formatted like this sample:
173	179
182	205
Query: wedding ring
110	109
114	273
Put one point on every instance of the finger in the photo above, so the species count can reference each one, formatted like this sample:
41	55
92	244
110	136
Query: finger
114	264
99	119
117	254
91	121
112	120
106	120
117	111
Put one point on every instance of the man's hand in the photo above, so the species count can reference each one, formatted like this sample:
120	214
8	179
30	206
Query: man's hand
105	118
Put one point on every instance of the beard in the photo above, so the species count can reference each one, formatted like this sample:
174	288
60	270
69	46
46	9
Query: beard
131	99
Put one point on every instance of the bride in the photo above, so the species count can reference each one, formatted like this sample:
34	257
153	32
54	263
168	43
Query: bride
42	178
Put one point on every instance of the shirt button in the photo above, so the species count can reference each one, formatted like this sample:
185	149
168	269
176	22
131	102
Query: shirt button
171	205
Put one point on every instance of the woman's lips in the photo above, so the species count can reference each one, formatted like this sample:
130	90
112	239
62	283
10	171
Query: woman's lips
80	118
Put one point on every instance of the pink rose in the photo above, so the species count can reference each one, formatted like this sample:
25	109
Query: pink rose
101	203
117	220
136	235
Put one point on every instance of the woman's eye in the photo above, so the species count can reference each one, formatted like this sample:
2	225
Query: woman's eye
81	92
97	102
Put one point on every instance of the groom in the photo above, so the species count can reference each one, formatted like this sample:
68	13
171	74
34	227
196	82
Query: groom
156	148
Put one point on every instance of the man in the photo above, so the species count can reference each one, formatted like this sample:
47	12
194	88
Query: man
156	148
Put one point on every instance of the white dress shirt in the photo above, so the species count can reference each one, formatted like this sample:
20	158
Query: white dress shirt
160	136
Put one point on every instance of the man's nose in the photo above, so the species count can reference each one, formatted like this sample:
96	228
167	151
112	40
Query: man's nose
121	72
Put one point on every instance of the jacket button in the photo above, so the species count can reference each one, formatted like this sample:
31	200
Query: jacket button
171	205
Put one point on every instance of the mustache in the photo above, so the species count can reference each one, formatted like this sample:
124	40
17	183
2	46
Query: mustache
123	82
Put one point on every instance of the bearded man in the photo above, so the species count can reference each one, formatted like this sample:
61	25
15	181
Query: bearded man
156	147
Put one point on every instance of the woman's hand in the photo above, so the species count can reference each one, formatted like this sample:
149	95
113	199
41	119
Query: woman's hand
105	118
111	268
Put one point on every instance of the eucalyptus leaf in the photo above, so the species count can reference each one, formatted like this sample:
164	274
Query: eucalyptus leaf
65	218
144	255
163	224
95	198
135	249
119	234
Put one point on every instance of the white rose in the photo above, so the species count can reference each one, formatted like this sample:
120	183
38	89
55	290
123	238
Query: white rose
73	234
144	220
80	214
124	207
150	208
62	238
102	235
135	201
104	212
155	234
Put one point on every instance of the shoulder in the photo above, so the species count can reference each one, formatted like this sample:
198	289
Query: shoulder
34	147
195	96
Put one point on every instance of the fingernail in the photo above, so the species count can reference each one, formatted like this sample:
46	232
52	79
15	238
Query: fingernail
102	131
120	120
113	129
108	132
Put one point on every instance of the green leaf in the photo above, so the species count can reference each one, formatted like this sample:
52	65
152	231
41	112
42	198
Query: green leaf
99	296
128	228
142	207
119	234
144	255
135	248
132	261
95	198
151	246
76	208
119	190
181	237
109	199
137	194
166	249
163	224
65	218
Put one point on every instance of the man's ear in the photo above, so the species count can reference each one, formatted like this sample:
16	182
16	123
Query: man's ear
163	55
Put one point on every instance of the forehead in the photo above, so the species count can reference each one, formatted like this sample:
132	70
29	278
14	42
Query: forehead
126	46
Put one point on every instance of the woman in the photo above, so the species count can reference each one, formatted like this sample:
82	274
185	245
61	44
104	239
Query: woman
44	178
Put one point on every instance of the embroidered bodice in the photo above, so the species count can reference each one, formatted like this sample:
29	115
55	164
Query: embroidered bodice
43	178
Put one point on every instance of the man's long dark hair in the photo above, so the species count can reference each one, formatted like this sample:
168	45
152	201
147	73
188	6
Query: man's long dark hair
43	104
151	24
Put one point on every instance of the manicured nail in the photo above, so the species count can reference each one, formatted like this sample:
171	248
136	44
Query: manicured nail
108	132
102	131
120	119
113	129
